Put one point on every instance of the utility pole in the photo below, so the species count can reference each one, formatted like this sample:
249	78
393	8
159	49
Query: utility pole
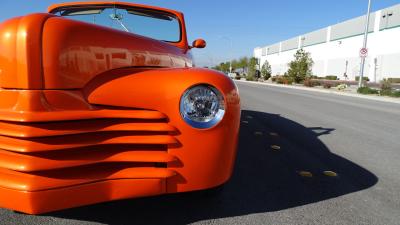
230	60
360	82
230	50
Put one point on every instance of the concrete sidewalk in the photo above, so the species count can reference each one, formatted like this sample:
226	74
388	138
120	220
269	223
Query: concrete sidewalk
329	91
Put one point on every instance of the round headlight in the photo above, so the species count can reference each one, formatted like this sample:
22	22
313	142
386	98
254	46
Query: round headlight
202	106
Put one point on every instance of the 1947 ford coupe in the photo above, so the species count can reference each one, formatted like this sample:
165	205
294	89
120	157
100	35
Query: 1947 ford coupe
100	101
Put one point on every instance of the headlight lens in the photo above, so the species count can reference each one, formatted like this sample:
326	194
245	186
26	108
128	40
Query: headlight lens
202	106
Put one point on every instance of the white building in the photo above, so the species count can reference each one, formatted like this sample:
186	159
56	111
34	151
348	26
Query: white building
335	49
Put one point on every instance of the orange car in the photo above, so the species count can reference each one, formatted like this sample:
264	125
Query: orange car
101	101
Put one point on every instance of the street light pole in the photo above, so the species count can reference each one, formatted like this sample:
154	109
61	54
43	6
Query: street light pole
360	82
230	50
230	60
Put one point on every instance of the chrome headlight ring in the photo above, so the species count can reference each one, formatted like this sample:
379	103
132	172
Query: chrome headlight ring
202	106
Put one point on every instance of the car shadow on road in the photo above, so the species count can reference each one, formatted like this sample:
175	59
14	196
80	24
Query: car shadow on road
273	151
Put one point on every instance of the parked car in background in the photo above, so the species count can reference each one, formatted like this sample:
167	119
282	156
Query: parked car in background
233	75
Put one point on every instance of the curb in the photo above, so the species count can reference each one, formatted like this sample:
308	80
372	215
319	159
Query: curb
375	98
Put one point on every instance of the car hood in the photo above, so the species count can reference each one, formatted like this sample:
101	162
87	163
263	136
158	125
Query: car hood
43	51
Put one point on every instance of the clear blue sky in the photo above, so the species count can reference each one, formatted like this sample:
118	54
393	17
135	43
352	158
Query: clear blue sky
247	24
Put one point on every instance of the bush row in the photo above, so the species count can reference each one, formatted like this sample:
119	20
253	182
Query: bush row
368	91
282	80
394	80
385	89
364	78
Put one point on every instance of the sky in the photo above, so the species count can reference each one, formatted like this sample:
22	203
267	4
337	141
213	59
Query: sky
233	28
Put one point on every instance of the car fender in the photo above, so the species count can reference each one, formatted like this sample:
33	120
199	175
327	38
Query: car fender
208	154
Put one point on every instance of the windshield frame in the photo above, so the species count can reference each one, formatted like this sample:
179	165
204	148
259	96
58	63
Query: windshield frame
182	43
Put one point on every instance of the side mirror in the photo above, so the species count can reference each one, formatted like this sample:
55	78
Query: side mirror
199	43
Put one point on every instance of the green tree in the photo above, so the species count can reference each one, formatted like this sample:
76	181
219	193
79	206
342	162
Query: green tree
251	69
217	67
243	63
301	66
266	71
235	64
223	67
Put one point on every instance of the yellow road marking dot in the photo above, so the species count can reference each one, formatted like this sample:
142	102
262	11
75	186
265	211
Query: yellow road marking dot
330	173
305	174
258	133
249	117
275	147
273	134
245	121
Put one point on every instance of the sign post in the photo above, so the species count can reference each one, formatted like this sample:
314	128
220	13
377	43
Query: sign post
363	52
364	48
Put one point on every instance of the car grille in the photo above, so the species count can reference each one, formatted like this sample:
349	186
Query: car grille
47	150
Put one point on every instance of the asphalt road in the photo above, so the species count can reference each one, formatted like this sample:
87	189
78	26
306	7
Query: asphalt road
357	139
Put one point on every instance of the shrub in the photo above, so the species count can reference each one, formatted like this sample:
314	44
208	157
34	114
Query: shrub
390	93
396	94
327	85
251	70
274	79
317	77
266	77
308	83
367	91
311	83
394	80
301	66
266	70
385	92
316	82
335	84
341	87
386	85
386	89
288	81
284	80
331	77
250	78
364	78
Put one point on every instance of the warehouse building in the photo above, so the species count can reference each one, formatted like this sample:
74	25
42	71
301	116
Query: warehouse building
336	49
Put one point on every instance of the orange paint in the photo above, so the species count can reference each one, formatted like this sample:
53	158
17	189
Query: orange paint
20	52
95	117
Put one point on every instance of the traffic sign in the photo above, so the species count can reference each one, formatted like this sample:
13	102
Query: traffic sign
363	52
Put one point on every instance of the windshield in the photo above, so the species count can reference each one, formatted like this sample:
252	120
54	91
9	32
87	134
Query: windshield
150	23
